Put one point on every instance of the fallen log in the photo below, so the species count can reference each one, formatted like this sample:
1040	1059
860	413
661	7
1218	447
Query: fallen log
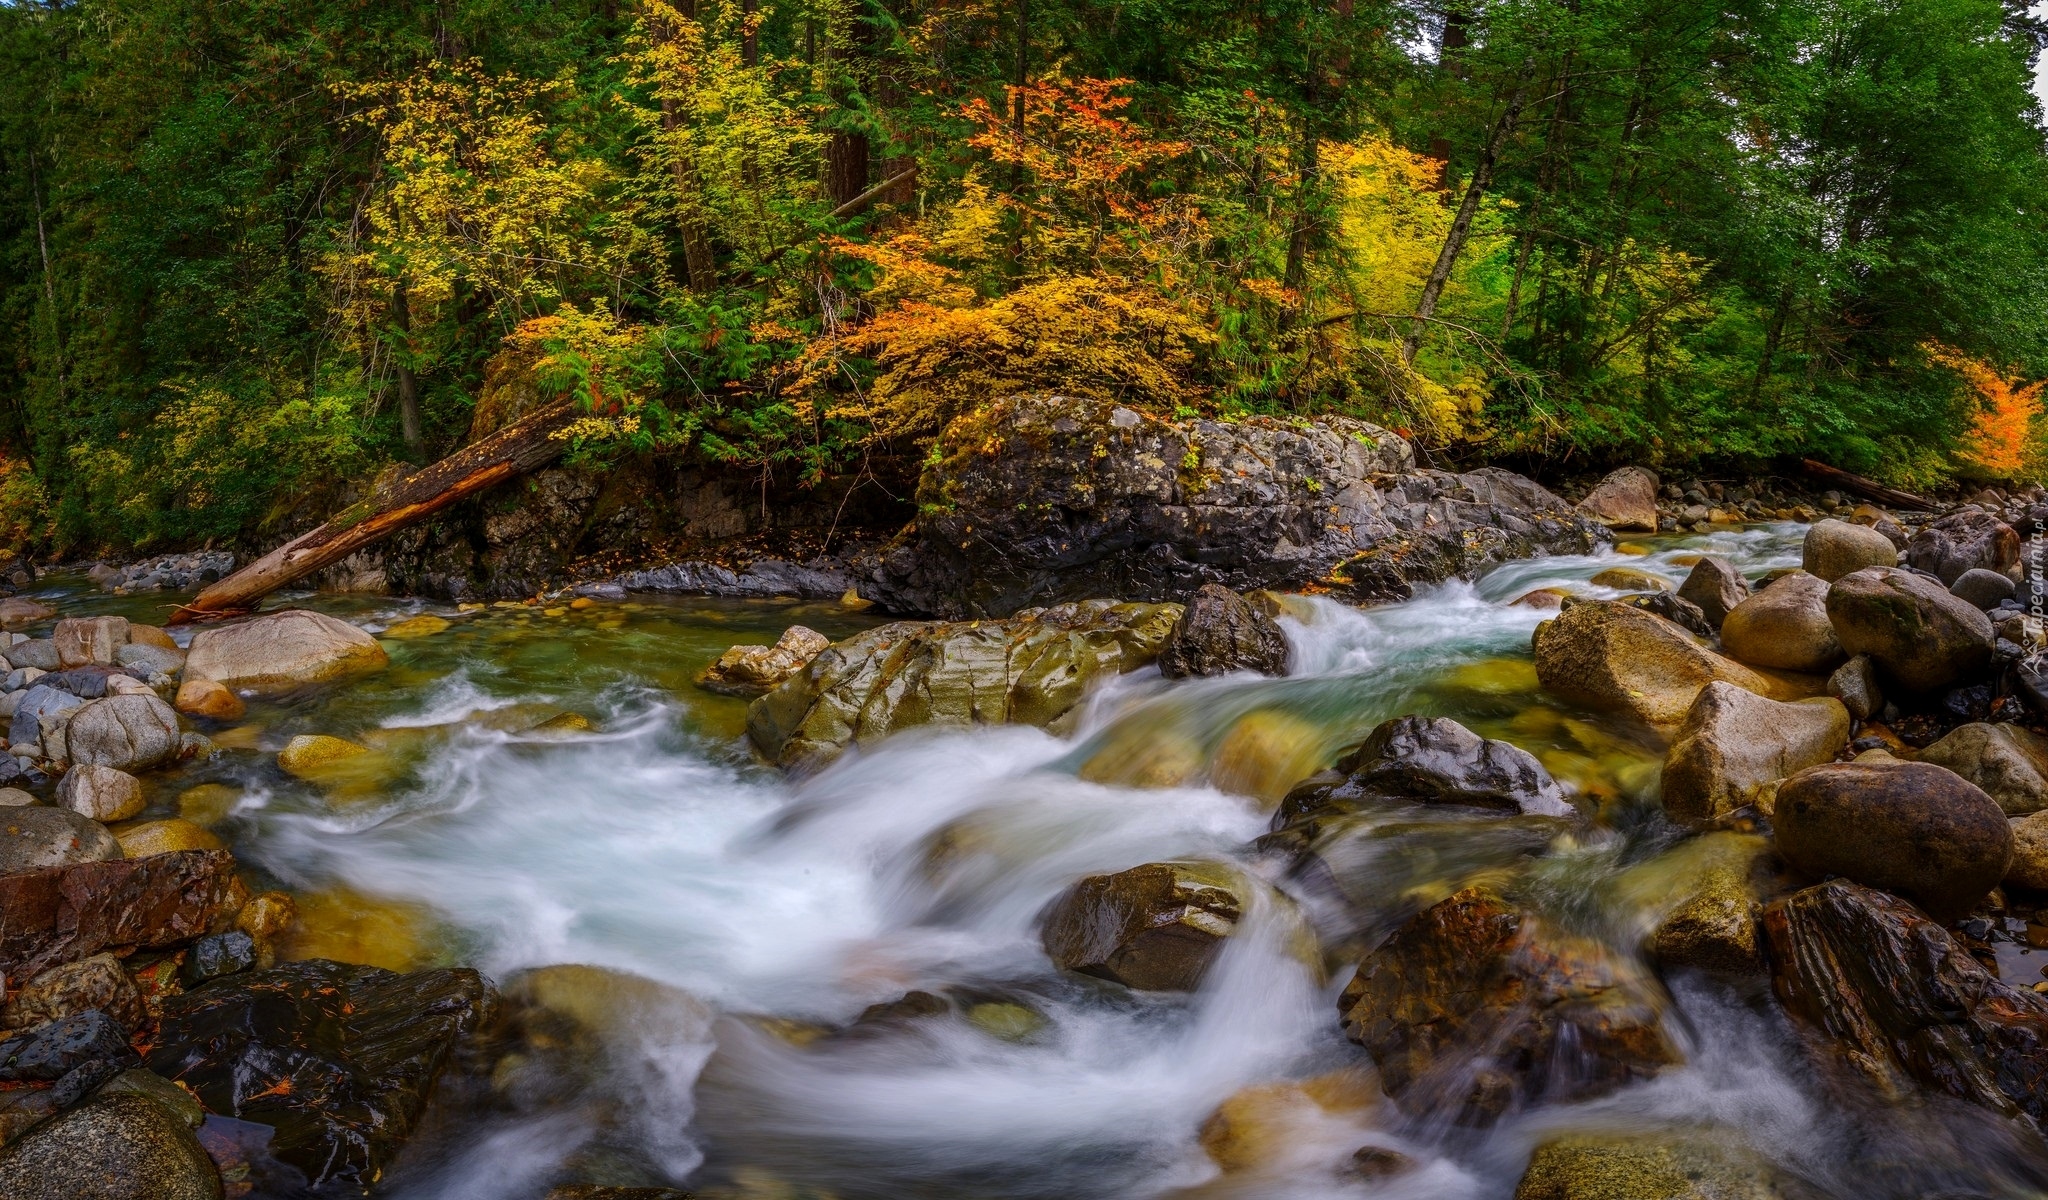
1869	489
525	445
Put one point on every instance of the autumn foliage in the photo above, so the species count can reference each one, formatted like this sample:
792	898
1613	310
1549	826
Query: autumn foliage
2003	437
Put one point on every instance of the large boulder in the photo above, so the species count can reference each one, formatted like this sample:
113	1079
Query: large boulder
282	650
1964	541
1922	638
121	1146
1735	744
1625	500
758	670
338	1059
1784	626
1039	499
1712	884
127	733
2029	868
2010	762
1435	760
1914	829
1715	587
92	984
86	641
1855	684
1681	1164
17	611
68	913
1027	670
1616	658
1155	927
40	713
1880	986
1219	633
102	793
32	839
1836	548
1474	1008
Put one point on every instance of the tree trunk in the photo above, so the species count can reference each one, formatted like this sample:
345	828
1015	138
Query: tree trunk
1868	488
1461	226
408	383
525	445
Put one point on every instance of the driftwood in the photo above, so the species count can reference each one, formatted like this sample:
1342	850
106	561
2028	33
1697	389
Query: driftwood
1869	489
525	445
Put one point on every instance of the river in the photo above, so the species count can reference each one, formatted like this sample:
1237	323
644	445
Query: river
774	910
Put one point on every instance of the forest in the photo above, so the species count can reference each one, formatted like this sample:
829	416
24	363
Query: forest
254	252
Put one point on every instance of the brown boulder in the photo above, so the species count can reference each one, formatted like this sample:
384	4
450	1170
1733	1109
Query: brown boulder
1835	548
64	914
205	698
1154	927
1610	656
1474	1008
1625	500
1715	587
1785	626
1735	744
2008	761
1913	829
1964	541
89	641
757	670
1921	638
98	982
1220	633
16	611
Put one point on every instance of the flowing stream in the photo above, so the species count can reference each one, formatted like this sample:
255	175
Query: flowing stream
768	912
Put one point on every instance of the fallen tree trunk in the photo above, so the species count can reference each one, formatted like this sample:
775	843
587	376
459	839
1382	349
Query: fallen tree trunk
525	445
1869	489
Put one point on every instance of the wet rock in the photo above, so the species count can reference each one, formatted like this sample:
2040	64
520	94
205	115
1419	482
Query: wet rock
1154	927
1922	638
1784	626
218	954
96	983
1038	499
205	698
171	835
1913	829
41	712
128	733
339	1060
1626	501
305	754
1264	754
1836	548
1673	608
1716	587
2009	762
1873	517
83	641
1963	541
1545	598
1985	589
422	625
2029	867
1220	633
150	660
1714	928
1278	1126
118	1147
1031	669
1667	1165
1879	984
51	1051
597	1191
1855	684
17	611
1613	657
757	670
1475	1008
32	839
1434	760
1630	579
102	793
64	914
1735	744
282	650
40	653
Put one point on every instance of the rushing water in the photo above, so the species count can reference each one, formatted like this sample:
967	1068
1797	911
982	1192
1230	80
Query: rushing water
770	910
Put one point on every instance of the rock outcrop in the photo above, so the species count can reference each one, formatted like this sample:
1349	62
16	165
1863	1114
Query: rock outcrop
1031	669
1039	499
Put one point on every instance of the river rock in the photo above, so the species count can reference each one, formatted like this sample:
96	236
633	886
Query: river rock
1029	670
1965	540
1435	760
1038	499
1673	608
282	650
1855	684
128	733
2009	762
305	754
1626	500
1716	587
40	653
42	710
205	698
117	1147
1155	927
2029	868
1873	517
1617	658
85	641
1914	829
1630	579
1719	878
1836	548
102	793
1879	984
63	991
757	670
1734	744
150	660
17	611
51	1051
337	1059
32	839
1922	638
1667	1165
64	914
1983	589
1219	633
1474	1008
171	835
1784	626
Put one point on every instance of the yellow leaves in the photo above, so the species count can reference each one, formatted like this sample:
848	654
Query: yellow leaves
24	506
588	355
2002	441
1083	335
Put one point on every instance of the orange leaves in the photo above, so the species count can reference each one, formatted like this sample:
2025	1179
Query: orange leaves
2001	440
1074	139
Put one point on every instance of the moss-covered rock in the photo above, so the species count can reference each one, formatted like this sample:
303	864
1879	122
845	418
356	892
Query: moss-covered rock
1676	1165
